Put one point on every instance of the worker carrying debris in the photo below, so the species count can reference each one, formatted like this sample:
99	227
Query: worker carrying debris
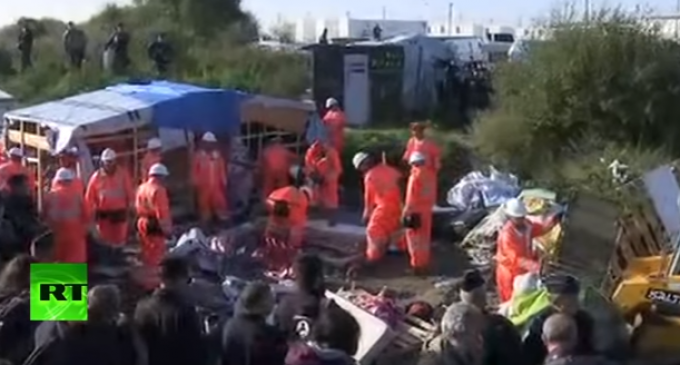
515	250
274	166
15	166
287	208
110	196
209	179
66	214
154	221
417	214
382	205
323	169
69	158
335	122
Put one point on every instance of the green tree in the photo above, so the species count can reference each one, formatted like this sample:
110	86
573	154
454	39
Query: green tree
610	82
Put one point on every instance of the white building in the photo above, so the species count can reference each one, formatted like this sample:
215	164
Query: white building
309	29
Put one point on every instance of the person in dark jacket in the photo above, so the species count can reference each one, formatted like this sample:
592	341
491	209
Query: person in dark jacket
25	47
560	336
564	291
334	340
247	338
20	216
305	303
502	341
118	43
75	44
160	52
99	340
168	324
16	332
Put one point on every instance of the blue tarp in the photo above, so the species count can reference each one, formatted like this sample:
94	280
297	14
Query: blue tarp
184	106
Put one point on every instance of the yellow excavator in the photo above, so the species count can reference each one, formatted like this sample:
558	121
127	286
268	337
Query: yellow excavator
648	295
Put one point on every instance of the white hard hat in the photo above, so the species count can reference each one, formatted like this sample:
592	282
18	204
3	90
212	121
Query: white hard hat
515	208
359	158
416	157
154	143
209	137
64	174
331	102
158	169
295	171
16	152
108	155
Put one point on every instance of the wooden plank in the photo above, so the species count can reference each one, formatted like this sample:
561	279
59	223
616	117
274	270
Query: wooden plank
30	140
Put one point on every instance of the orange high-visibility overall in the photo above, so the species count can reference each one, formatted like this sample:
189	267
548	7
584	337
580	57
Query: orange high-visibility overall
66	214
69	161
420	200
382	206
109	197
275	164
428	148
209	178
335	122
293	226
515	255
12	168
329	168
150	158
154	223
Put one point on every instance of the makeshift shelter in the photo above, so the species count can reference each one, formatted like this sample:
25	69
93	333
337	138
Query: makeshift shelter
123	117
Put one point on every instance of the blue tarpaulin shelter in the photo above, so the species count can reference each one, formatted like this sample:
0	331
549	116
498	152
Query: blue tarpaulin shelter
124	106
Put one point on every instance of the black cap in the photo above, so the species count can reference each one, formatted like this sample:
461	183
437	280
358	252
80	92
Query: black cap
562	285
472	279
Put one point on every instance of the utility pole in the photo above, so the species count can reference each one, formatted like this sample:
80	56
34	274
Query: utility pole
450	22
384	13
677	15
586	10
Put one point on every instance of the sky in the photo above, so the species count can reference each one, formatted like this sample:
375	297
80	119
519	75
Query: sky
508	12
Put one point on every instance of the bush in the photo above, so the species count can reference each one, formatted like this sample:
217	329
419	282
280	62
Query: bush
212	51
610	85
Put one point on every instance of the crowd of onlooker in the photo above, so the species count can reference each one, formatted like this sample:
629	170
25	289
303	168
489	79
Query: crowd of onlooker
304	328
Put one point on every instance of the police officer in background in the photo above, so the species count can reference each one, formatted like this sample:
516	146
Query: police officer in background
75	44
160	53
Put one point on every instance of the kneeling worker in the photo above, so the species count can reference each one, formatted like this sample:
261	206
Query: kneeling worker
417	215
154	222
65	212
288	210
382	204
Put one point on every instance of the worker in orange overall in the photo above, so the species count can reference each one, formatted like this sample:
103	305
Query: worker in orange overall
153	155
154	222
69	159
15	166
110	195
382	205
209	178
287	208
65	212
417	215
275	163
515	251
335	122
419	142
324	171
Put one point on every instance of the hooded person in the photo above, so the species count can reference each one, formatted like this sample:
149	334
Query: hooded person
502	341
274	165
461	338
247	338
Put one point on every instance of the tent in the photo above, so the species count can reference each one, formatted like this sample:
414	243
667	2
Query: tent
125	106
